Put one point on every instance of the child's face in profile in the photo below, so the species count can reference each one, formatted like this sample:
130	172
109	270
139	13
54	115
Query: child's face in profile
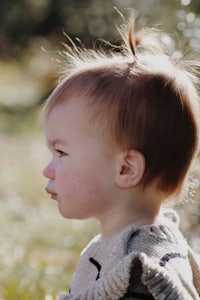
81	173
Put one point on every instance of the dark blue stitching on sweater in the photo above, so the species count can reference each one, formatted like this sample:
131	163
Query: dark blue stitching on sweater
169	256
97	265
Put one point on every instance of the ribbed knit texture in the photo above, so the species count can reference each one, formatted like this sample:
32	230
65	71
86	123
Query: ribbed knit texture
152	260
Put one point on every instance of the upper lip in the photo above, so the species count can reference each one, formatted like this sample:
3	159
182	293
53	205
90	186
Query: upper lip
49	191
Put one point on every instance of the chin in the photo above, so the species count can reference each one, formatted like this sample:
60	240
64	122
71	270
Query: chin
67	215
72	216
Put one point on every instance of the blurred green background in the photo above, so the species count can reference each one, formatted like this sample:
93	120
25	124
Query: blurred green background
38	248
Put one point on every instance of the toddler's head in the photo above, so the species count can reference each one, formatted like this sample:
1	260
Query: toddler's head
140	99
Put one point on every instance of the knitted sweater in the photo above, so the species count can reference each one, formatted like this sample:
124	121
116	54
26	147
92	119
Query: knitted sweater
149	262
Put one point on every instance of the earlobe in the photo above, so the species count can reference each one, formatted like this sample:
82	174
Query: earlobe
131	169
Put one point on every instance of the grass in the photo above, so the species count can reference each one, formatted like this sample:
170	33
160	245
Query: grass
39	249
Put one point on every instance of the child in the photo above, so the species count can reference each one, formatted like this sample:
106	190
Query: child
123	130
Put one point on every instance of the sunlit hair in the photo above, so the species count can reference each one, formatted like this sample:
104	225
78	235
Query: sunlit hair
145	101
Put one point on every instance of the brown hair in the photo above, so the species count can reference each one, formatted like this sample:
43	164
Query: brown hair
148	102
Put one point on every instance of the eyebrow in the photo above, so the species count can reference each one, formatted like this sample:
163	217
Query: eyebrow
56	142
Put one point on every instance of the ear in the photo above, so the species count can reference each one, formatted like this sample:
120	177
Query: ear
130	169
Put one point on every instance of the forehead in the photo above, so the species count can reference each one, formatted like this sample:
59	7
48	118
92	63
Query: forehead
67	112
84	109
66	119
70	121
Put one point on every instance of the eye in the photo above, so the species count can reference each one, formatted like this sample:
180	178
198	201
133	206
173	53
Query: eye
61	153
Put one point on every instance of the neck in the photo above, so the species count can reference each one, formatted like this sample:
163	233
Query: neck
137	211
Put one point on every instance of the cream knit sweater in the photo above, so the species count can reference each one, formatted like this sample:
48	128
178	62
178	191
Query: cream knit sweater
150	262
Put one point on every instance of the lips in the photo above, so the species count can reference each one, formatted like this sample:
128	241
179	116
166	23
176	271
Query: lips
51	193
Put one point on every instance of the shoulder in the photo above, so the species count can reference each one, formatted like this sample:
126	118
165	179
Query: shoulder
92	244
156	241
161	262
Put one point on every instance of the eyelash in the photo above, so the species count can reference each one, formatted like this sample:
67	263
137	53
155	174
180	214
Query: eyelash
61	153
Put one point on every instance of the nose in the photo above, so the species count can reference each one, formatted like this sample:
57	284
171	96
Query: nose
49	171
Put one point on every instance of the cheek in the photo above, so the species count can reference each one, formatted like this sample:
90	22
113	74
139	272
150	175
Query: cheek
76	182
65	178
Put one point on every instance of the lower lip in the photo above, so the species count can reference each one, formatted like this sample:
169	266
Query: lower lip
54	196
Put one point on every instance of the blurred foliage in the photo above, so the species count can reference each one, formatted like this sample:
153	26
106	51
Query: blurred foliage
39	249
23	20
27	73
